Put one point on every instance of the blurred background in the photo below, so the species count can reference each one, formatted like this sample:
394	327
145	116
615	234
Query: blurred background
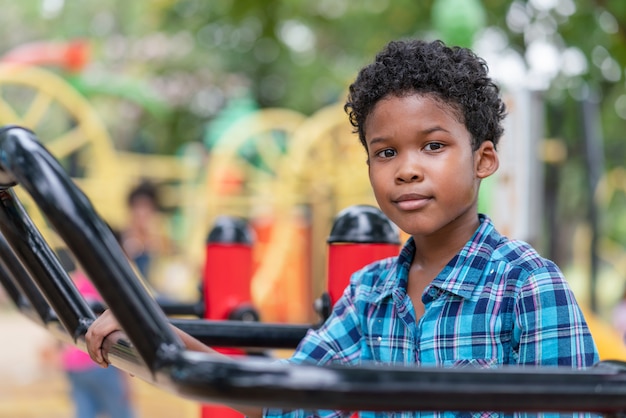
235	107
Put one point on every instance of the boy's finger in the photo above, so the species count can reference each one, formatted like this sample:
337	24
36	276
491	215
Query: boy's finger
104	361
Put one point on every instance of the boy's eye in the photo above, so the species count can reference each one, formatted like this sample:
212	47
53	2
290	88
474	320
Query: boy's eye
386	153
433	146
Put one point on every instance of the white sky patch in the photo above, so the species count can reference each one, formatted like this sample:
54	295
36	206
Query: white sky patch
297	36
573	62
620	106
506	65
332	9
544	61
608	23
517	18
566	8
598	55
611	70
51	8
544	4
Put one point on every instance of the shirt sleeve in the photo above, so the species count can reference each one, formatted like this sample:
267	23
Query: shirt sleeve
337	341
549	327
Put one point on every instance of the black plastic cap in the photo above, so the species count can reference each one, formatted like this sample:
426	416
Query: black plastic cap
363	224
230	230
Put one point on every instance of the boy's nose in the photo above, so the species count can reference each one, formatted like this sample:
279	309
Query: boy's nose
409	171
408	180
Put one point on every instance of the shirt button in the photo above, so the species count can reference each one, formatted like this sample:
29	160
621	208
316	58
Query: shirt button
432	292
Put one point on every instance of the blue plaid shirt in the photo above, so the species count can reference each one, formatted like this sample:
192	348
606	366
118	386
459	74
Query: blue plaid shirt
496	302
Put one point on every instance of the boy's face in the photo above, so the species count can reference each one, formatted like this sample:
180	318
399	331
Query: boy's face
423	171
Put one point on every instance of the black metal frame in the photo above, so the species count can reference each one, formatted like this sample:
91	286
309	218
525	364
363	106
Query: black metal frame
35	280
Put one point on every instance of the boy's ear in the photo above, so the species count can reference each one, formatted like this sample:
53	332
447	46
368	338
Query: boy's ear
486	161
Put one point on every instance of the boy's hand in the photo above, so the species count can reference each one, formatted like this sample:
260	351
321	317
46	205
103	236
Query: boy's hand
105	330
102	327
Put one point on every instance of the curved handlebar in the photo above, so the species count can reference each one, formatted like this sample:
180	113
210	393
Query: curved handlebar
26	161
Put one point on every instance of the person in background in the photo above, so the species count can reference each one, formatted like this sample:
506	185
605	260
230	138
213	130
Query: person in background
143	239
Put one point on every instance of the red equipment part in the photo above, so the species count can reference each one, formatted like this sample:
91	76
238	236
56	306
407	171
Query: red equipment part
227	273
344	259
360	235
227	276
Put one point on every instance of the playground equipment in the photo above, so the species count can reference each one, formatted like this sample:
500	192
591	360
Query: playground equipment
228	254
360	235
153	352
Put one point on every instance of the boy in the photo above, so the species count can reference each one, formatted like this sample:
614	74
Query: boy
459	293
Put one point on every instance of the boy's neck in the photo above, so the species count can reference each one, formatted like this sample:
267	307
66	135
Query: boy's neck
436	250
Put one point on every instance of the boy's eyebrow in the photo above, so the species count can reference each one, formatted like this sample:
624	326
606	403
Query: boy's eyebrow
376	140
426	131
434	129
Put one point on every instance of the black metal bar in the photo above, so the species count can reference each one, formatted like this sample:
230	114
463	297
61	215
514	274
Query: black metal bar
243	334
170	308
44	268
19	277
11	288
386	388
175	308
91	241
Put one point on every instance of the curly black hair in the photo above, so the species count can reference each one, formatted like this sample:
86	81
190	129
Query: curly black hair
454	75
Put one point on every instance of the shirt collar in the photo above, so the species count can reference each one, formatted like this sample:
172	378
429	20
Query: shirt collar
397	276
462	273
466	269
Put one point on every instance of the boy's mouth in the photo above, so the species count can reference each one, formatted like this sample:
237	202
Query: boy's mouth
411	201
